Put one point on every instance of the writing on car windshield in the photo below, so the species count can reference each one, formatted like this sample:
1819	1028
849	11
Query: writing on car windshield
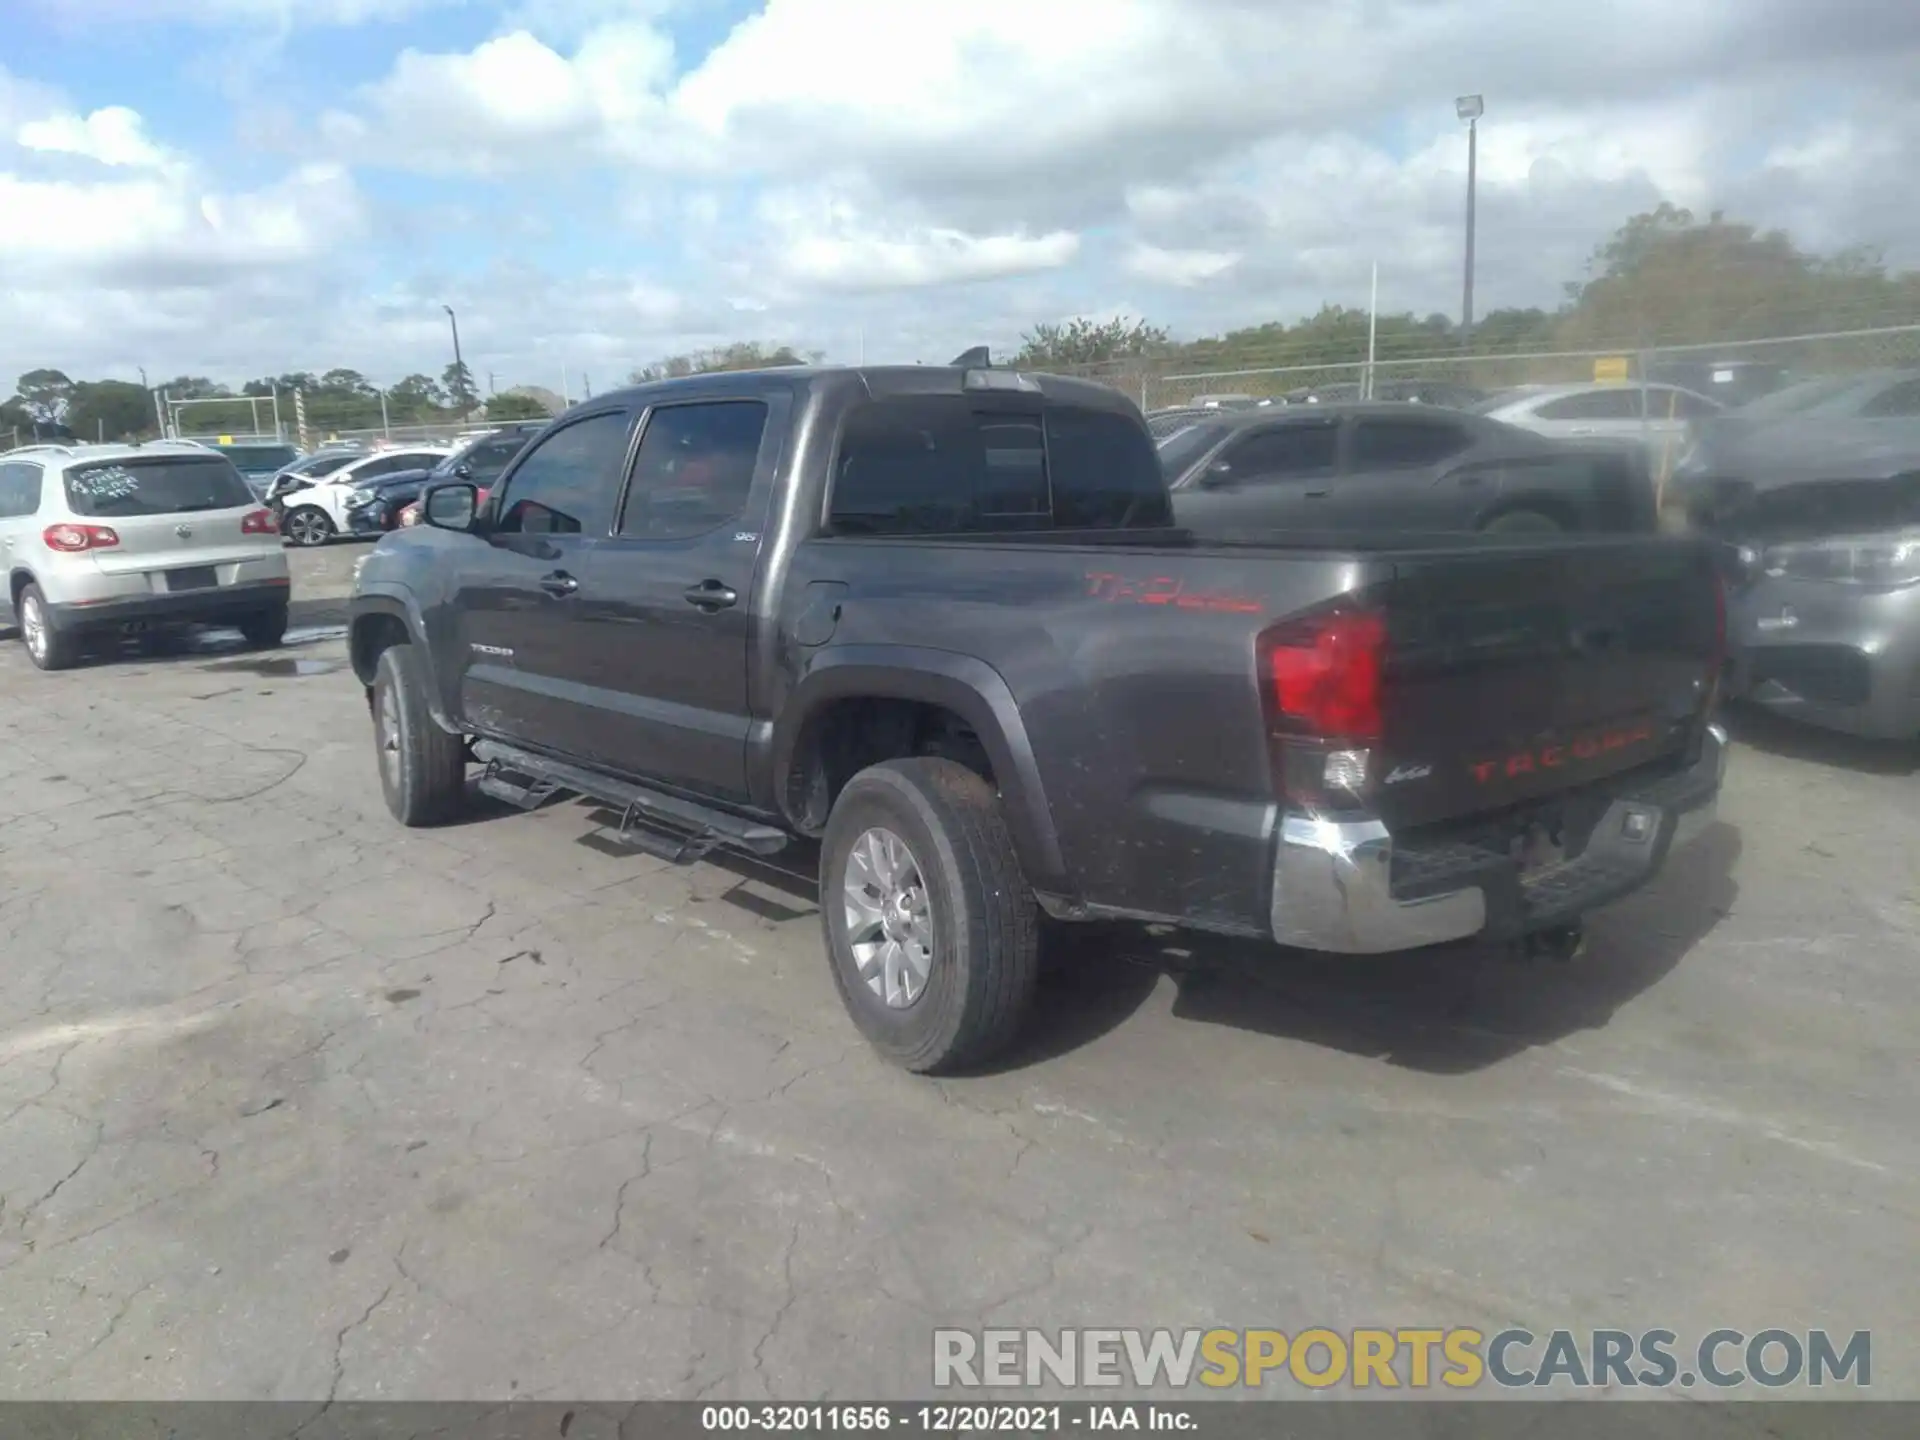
131	488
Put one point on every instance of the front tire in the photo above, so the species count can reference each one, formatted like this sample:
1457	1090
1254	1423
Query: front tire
47	646
931	929
423	768
308	526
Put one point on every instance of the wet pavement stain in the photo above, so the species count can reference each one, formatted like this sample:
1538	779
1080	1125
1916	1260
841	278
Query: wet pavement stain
275	666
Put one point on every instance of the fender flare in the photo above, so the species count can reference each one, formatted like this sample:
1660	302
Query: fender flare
401	604
971	689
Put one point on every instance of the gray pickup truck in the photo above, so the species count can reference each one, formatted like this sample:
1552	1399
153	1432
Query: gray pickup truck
938	620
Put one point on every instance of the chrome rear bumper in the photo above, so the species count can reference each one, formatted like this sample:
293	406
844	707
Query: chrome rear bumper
1333	880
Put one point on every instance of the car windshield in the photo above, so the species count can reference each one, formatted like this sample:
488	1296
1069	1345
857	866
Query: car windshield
124	489
314	466
1180	449
1496	401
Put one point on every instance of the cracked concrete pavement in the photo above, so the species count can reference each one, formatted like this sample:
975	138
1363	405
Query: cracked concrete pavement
295	1104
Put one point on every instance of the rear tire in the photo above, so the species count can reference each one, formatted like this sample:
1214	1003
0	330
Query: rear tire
267	629
308	526
48	647
966	899
423	768
1523	522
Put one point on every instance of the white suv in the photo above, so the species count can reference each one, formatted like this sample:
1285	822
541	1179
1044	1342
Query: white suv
101	537
315	511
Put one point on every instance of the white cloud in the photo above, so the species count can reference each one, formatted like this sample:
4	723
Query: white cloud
513	103
113	136
825	241
1214	163
1178	267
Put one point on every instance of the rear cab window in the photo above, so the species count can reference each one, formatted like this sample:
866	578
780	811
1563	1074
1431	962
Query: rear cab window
175	485
957	465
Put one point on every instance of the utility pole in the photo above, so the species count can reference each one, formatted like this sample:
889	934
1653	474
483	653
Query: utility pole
459	365
1470	108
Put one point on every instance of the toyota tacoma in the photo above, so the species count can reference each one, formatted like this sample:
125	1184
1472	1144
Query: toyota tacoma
939	620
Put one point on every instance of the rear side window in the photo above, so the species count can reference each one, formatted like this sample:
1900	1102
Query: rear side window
125	489
19	490
1380	444
948	465
695	468
1104	476
1621	404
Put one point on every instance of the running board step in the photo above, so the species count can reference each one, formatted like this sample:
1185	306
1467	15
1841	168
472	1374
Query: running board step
691	830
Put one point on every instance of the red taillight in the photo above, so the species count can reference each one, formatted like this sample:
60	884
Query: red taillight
74	538
1326	673
259	522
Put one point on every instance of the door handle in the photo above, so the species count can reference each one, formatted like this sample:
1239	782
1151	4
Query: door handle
559	583
710	595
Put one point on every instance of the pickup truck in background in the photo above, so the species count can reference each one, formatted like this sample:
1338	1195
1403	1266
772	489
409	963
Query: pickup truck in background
938	619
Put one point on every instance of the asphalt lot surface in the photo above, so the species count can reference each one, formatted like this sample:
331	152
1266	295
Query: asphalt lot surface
297	1104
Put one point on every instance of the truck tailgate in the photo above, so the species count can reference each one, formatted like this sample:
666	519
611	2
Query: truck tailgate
1513	674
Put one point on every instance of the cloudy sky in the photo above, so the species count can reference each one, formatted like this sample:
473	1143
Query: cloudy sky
236	187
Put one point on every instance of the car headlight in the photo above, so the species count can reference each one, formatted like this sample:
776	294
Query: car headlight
1885	561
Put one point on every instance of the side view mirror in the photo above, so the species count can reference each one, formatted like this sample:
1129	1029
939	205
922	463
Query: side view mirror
453	506
463	470
1217	476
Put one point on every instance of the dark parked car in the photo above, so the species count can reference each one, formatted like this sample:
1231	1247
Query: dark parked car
937	618
480	460
1816	490
1386	466
1412	392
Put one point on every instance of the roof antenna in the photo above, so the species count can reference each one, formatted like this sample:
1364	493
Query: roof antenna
974	359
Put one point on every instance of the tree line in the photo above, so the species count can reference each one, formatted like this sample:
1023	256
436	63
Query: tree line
1666	277
48	401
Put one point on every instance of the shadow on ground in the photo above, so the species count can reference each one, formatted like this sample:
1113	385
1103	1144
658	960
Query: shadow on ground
1447	1010
1796	740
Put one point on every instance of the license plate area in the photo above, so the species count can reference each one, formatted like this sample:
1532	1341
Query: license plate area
192	577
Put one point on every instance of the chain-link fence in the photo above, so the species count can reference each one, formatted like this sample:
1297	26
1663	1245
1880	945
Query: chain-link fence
1736	368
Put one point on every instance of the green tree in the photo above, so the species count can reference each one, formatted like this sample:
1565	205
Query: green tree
14	417
740	355
110	410
1089	342
457	381
418	397
345	383
194	387
46	394
512	405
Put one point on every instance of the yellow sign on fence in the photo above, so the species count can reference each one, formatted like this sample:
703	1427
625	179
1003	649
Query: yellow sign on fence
1611	367
226	440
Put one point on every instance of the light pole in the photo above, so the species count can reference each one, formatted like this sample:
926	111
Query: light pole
1470	108
459	365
